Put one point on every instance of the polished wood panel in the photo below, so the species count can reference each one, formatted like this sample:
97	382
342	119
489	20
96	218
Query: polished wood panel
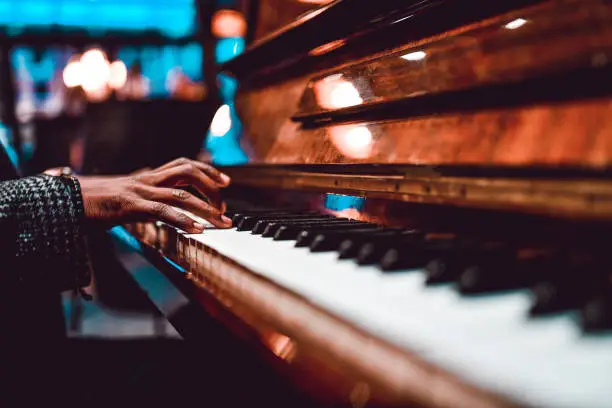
277	16
574	198
451	113
346	22
543	40
570	133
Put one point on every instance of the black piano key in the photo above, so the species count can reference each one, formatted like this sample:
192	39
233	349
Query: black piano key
506	270
372	252
446	269
350	247
273	228
414	255
306	237
596	315
248	222
332	241
261	225
291	232
238	215
570	289
551	297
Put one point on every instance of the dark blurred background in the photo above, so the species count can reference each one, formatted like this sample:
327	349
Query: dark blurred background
110	86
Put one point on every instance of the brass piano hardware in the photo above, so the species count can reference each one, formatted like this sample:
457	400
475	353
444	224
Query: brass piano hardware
555	36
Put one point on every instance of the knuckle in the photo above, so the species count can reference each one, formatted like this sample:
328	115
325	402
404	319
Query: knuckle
211	170
160	209
183	219
181	194
137	187
186	169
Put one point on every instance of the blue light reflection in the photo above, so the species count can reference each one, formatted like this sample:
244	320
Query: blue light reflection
339	202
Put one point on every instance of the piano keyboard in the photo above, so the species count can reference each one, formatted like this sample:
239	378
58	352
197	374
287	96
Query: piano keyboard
500	318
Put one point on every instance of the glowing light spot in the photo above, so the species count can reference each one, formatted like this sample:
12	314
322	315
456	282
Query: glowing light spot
95	70
514	24
345	94
414	56
334	92
353	141
222	121
72	74
117	75
228	23
359	137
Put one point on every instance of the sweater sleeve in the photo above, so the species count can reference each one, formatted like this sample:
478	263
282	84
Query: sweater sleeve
41	233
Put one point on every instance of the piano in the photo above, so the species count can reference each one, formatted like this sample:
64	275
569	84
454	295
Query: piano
425	213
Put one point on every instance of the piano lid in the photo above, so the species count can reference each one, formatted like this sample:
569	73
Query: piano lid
341	23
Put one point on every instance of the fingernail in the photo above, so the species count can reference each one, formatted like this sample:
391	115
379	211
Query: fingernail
225	178
198	226
226	220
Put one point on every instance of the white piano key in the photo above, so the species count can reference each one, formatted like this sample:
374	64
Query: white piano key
487	340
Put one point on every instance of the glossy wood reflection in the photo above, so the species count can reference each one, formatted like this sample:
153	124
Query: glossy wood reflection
572	133
556	36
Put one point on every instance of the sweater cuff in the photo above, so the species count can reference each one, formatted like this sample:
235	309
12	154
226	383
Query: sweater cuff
51	247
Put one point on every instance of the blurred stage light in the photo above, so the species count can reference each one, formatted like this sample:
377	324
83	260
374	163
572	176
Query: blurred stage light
228	24
95	70
72	74
117	75
222	121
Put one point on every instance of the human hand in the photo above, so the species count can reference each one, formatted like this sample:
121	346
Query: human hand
152	194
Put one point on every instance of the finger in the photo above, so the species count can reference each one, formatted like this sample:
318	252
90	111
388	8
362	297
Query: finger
140	171
163	212
188	175
219	177
187	201
56	171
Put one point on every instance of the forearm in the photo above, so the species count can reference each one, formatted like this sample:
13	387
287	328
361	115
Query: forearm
41	230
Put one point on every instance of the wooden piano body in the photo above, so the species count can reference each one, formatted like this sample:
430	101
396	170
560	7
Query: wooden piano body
492	119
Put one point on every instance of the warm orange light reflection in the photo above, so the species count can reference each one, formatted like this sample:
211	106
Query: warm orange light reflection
351	213
282	346
325	48
316	1
98	94
335	92
228	23
354	141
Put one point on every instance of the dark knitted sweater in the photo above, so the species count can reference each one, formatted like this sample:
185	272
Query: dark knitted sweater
41	233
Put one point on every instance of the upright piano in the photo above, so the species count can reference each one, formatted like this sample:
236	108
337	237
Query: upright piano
425	214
